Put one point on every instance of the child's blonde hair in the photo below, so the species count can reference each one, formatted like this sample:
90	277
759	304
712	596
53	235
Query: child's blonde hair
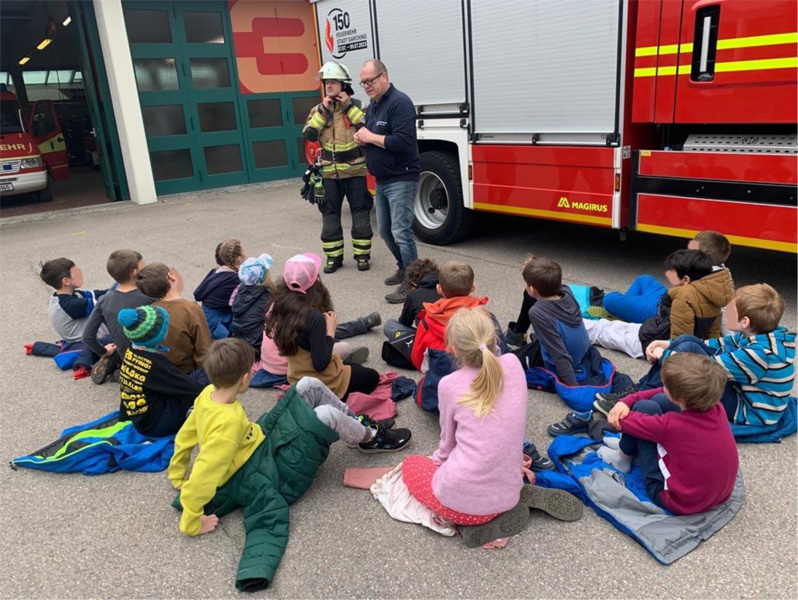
472	336
762	304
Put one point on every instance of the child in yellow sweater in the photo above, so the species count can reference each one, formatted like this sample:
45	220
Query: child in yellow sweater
264	466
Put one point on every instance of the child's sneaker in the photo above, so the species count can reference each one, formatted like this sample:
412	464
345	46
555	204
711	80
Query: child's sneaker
28	349
606	400
80	373
101	370
539	462
369	422
557	503
386	440
358	356
510	523
574	422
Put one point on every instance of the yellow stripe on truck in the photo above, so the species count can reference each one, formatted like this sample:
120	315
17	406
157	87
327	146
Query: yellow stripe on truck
734	239
755	41
725	67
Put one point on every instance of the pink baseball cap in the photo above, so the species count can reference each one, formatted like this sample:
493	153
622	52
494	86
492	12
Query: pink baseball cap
301	272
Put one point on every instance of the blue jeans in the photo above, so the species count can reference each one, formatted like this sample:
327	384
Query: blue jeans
263	379
694	345
219	322
395	214
645	450
640	302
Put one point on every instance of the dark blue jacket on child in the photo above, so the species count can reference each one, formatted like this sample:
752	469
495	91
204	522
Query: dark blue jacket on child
215	292
249	314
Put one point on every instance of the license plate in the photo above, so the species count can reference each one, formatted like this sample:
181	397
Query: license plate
6	187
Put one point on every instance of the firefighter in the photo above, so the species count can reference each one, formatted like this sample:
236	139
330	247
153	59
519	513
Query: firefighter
333	123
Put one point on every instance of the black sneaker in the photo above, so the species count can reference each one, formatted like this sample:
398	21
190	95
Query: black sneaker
539	463
372	320
396	278
574	422
606	400
369	422
399	296
386	440
363	264
102	370
358	356
332	266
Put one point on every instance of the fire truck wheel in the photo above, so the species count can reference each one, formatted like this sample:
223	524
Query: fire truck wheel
441	217
46	195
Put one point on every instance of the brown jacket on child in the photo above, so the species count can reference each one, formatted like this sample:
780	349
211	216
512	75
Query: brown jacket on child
696	307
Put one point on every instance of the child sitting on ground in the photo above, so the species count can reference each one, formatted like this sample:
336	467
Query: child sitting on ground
687	453
456	284
123	266
188	337
474	477
154	395
264	466
302	325
759	358
422	281
557	322
69	312
252	300
215	292
693	305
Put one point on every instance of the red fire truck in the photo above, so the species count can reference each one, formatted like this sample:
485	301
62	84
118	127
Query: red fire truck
32	149
663	116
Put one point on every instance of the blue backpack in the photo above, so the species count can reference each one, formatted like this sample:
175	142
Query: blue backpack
440	364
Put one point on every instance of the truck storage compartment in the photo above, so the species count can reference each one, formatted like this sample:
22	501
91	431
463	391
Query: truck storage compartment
547	68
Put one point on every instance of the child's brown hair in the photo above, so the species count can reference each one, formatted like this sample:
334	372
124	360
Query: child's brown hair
419	269
228	253
121	264
54	271
762	304
153	280
697	382
227	361
456	278
544	275
715	245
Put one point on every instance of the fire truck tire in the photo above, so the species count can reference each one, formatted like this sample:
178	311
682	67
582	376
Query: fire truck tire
441	218
46	195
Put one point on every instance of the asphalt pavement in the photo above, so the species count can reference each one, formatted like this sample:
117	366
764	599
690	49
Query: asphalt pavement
115	536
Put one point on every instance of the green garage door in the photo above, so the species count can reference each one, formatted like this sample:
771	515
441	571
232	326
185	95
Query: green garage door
201	131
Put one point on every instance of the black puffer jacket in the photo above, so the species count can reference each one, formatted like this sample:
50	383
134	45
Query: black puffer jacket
657	327
249	313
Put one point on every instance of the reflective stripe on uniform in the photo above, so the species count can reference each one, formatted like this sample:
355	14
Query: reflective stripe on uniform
317	121
355	115
360	247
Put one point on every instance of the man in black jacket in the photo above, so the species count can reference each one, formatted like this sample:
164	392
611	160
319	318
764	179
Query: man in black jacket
389	137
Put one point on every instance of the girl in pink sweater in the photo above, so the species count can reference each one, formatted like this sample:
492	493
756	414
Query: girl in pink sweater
475	474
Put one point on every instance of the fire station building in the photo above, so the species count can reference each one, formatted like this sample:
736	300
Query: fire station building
147	98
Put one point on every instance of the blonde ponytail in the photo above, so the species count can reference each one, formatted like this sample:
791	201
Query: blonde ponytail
472	336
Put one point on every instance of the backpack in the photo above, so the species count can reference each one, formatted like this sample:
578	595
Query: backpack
440	364
396	352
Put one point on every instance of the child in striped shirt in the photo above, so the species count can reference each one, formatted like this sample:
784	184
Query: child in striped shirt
759	357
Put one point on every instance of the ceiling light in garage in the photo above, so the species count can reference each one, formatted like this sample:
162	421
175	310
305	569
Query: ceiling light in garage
24	60
67	21
44	43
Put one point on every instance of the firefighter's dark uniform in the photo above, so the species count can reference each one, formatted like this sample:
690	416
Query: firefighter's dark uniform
344	174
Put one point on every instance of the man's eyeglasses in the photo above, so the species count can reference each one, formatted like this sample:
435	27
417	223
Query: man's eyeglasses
369	82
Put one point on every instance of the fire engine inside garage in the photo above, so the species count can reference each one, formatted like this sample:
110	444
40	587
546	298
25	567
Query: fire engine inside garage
662	116
50	155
